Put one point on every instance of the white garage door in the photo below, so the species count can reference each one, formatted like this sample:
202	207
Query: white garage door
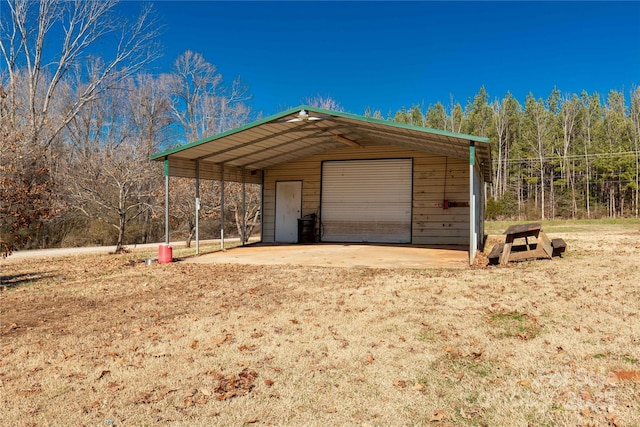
367	201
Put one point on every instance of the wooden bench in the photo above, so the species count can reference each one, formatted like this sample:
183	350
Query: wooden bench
559	246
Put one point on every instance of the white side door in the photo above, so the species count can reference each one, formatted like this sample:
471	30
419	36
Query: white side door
288	208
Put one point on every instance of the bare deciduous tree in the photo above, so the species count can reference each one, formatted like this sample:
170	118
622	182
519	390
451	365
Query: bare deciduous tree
49	76
29	46
109	175
204	106
536	132
569	115
151	118
251	207
183	205
324	102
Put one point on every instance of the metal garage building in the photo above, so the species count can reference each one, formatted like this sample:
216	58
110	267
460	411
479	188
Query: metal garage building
362	179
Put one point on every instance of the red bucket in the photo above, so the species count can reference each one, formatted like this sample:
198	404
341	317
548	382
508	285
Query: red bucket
165	254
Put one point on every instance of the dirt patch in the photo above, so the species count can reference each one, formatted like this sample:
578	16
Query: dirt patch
109	340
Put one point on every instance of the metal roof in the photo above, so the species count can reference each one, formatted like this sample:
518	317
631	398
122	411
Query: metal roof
291	135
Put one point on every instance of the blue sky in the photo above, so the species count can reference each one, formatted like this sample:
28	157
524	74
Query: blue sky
386	55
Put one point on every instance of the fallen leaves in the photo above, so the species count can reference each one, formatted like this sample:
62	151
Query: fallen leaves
585	395
228	338
417	387
245	347
437	416
192	398
114	386
477	354
633	376
453	362
36	389
400	383
586	413
103	374
235	385
613	420
452	351
612	379
147	397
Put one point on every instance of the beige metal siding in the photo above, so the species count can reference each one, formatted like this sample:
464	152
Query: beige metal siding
436	179
431	223
366	201
186	169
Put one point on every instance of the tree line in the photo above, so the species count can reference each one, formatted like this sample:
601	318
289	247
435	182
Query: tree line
566	156
80	116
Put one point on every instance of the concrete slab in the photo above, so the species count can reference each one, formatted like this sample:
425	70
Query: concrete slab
342	255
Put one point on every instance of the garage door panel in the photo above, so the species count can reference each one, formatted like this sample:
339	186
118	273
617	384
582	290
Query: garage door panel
368	211
367	201
366	232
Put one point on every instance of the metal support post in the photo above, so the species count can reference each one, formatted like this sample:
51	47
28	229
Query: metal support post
166	200
243	237
222	206
472	203
197	213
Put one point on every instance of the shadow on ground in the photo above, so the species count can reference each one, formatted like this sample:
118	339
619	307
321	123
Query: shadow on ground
13	281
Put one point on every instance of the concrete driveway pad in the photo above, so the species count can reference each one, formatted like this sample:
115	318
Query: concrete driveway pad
342	255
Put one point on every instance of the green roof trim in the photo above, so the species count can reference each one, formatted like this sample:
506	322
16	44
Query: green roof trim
393	124
290	111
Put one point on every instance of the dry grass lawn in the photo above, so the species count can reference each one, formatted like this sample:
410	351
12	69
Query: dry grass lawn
107	340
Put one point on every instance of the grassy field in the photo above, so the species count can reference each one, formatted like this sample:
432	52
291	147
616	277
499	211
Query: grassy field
107	340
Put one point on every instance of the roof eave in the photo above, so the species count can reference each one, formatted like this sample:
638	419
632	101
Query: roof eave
281	115
160	156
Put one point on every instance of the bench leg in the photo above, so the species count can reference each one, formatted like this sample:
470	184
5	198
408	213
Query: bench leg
506	252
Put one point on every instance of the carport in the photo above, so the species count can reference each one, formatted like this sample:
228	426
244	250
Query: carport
359	179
